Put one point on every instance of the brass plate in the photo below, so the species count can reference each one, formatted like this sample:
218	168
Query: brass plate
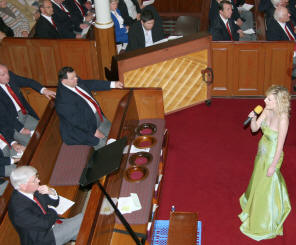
140	158
144	141
136	173
146	129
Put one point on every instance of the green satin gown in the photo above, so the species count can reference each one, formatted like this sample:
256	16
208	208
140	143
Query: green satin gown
265	205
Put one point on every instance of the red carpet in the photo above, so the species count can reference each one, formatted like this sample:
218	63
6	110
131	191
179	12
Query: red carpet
210	161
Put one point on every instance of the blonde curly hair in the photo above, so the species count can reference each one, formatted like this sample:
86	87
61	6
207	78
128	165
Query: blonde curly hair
282	97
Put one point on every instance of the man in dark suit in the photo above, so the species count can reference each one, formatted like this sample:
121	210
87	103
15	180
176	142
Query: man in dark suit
123	8
279	27
145	32
62	18
30	214
45	27
81	120
80	15
5	31
223	27
18	114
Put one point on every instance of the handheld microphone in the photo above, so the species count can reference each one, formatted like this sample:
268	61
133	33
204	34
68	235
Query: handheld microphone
258	109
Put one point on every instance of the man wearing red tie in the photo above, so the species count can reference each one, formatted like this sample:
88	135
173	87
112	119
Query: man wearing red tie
82	121
15	111
280	28
223	27
45	26
31	213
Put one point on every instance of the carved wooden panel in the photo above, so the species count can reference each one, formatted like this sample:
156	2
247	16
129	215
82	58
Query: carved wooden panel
248	69
222	67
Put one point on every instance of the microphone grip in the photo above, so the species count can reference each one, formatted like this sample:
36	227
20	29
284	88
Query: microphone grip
247	121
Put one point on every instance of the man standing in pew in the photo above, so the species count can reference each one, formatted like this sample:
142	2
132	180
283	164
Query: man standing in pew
14	109
82	121
45	26
223	27
30	212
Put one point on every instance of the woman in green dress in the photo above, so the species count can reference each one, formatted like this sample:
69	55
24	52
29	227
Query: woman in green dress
265	204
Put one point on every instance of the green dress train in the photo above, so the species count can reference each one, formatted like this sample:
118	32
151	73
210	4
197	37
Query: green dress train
265	205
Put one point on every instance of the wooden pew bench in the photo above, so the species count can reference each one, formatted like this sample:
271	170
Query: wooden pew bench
42	153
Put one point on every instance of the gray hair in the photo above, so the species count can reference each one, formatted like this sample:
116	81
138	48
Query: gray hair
21	175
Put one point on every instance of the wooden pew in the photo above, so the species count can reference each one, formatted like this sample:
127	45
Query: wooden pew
44	148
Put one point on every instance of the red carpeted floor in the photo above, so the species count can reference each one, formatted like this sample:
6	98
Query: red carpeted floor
210	160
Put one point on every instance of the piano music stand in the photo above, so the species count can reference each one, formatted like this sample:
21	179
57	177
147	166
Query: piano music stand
104	161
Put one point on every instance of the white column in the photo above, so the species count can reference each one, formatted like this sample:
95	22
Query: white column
103	14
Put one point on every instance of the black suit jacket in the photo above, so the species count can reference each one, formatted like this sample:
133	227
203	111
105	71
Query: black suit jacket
136	36
128	21
33	227
63	22
214	12
7	107
44	29
78	123
76	15
3	162
219	31
276	33
4	28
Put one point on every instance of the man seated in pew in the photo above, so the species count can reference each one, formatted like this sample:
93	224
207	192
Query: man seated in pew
145	32
223	27
269	6
45	27
62	19
82	121
10	153
30	211
18	114
244	19
279	28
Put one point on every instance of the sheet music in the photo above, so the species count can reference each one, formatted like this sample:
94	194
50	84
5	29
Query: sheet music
245	7
63	206
146	3
249	31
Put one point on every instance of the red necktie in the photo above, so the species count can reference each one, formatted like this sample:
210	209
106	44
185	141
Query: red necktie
54	25
16	99
289	34
92	101
228	29
62	7
4	140
80	7
58	221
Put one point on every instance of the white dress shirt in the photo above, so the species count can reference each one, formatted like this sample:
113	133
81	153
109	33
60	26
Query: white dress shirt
148	37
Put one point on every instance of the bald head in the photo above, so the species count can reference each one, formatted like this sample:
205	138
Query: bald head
277	3
281	14
4	76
